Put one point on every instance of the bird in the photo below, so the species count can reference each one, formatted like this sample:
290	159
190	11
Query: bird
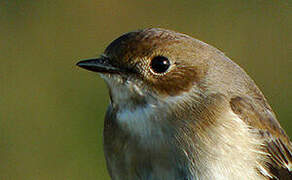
180	109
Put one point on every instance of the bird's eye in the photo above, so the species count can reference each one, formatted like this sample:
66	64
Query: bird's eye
159	64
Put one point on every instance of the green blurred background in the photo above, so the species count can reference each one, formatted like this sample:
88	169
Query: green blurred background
51	115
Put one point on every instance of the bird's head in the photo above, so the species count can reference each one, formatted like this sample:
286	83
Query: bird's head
154	63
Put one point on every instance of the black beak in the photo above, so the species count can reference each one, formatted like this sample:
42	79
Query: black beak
100	65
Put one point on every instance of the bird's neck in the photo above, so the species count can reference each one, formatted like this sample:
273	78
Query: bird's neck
206	140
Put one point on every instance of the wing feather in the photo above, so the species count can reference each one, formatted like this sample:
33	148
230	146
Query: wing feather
276	143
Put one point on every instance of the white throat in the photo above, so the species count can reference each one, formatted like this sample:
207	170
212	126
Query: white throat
225	152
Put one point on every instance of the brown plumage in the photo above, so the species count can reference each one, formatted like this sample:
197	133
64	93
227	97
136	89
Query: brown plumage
180	109
276	143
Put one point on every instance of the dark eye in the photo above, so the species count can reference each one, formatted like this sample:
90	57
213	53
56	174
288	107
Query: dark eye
159	64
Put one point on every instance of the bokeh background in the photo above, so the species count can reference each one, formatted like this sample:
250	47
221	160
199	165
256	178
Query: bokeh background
51	112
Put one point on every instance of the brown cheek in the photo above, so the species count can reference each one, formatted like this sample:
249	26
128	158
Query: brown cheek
179	80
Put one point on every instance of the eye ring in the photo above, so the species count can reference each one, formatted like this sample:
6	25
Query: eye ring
159	64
